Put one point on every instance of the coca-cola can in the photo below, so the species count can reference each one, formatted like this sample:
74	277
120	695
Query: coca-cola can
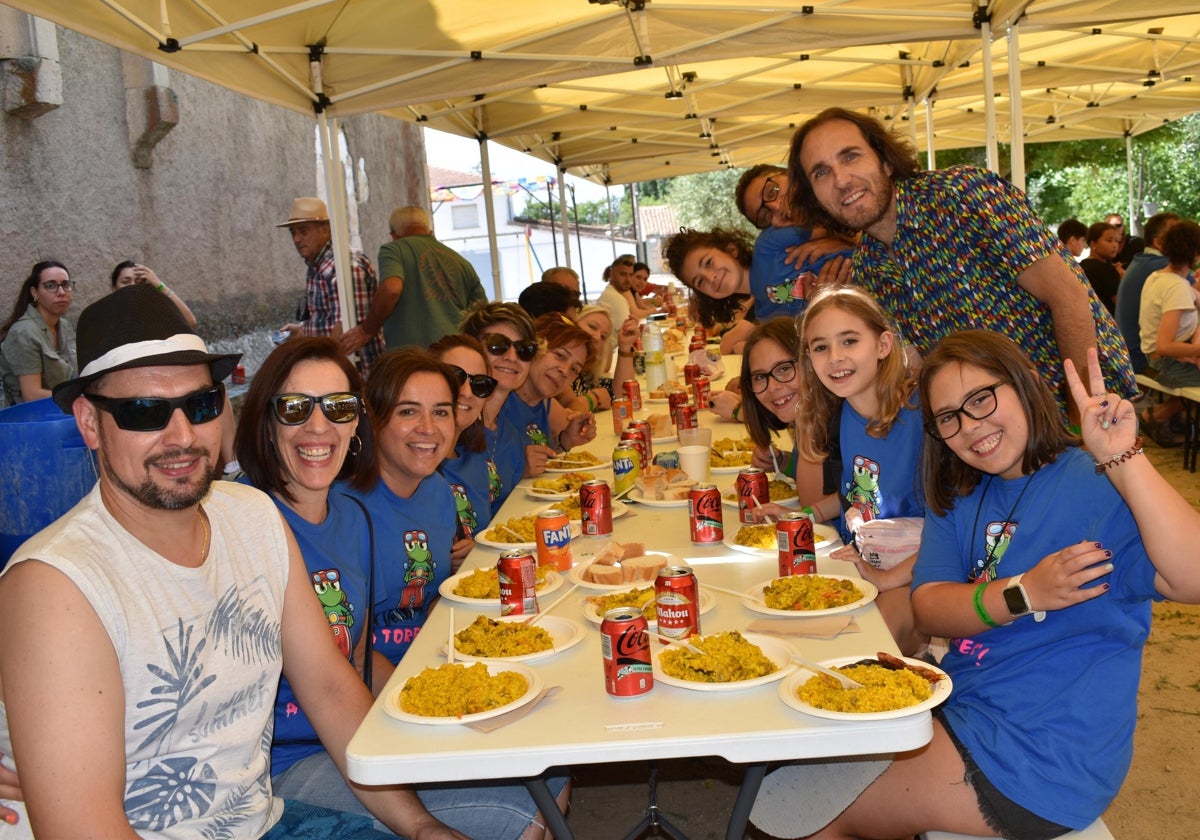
595	502
676	399
701	332
696	343
622	410
677	601
633	391
638	439
625	646
702	391
690	372
644	427
686	417
552	535
751	485
704	514
794	533
517	570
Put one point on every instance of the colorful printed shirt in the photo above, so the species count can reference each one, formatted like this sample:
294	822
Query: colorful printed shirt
324	313
962	237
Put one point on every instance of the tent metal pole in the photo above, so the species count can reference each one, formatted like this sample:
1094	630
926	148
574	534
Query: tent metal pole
1129	226
930	154
335	186
910	109
611	233
989	96
489	211
564	218
1016	120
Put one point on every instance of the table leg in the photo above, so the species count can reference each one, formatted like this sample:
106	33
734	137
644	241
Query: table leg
551	815
747	793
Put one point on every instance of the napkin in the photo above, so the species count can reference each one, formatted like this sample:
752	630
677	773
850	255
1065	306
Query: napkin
817	627
516	714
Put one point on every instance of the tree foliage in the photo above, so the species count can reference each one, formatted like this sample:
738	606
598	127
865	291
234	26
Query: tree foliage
705	200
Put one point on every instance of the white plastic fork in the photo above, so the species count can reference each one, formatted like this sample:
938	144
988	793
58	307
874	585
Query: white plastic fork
845	681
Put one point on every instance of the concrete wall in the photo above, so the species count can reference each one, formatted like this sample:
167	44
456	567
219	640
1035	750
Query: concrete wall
202	214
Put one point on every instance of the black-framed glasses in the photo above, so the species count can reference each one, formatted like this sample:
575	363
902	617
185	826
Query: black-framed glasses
979	404
482	385
295	409
770	192
64	286
784	371
152	414
498	345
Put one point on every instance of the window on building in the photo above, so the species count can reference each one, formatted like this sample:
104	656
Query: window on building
464	216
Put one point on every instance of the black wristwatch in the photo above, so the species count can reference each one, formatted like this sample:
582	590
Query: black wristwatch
1017	600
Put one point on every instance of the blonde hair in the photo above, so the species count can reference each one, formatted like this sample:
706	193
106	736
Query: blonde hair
604	357
894	383
408	220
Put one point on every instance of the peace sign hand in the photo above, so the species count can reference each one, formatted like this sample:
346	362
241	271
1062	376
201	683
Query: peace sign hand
1107	422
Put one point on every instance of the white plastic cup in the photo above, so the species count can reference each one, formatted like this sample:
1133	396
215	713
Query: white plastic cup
695	437
693	460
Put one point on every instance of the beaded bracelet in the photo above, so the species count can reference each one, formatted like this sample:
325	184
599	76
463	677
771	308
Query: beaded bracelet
980	610
1120	458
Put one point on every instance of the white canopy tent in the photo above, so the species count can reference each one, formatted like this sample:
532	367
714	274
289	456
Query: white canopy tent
625	91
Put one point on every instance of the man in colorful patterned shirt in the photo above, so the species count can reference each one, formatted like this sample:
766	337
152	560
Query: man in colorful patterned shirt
308	224
950	250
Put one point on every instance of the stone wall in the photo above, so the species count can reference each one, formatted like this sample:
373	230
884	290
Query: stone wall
202	214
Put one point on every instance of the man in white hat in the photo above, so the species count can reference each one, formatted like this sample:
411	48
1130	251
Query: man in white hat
139	680
308	224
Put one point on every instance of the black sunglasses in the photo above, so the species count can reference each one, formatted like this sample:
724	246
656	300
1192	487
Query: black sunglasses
482	385
498	345
151	414
294	409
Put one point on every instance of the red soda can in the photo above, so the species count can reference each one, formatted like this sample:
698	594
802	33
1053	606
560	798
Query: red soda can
797	556
696	343
518	582
552	532
701	332
595	502
625	647
622	410
627	466
751	484
686	417
644	426
674	400
704	514
677	600
702	392
239	375
639	439
690	372
633	391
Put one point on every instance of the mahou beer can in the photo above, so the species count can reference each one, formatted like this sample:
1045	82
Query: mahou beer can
633	391
704	514
701	391
622	410
595	502
627	466
751	485
626	651
690	372
686	417
677	600
518	582
648	436
552	531
797	556
639	441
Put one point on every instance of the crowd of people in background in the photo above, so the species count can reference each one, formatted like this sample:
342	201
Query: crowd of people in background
920	367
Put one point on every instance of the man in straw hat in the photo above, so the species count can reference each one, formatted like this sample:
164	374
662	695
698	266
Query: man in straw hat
308	224
161	610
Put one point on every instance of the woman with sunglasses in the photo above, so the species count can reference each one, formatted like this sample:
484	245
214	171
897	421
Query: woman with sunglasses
469	468
508	336
549	427
37	343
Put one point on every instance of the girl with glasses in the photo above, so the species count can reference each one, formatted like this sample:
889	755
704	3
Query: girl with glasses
470	468
565	350
37	343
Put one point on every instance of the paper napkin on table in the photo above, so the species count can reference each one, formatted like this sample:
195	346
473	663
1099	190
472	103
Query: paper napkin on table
817	627
516	714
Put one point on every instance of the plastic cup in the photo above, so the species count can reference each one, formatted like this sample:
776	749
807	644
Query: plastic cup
695	437
693	460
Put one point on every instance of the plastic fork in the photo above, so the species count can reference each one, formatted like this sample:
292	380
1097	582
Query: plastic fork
845	681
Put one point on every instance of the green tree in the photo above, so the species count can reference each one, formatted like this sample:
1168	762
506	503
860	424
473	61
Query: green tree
705	200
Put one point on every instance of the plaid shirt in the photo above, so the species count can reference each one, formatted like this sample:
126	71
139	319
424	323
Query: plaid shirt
324	314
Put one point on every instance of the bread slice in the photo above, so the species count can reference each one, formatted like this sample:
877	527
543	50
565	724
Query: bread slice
644	568
660	425
633	549
603	574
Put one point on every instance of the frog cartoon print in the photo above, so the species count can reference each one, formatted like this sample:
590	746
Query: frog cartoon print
998	537
862	490
418	573
465	510
791	290
536	436
339	612
495	484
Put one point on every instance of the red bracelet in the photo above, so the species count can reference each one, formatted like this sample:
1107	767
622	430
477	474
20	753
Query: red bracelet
1120	458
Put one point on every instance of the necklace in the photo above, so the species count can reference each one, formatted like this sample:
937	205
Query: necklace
207	536
985	568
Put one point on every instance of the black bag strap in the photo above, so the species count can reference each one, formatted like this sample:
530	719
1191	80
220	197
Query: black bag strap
368	658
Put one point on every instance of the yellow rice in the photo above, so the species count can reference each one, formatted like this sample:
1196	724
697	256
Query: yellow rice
485	583
454	690
728	657
809	592
488	637
884	690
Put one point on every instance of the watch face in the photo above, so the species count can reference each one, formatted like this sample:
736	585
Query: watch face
1014	599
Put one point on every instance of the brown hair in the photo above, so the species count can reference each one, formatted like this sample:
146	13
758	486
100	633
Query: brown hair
477	321
1181	244
555	330
472	438
254	441
711	310
893	149
748	177
760	422
946	477
894	384
25	295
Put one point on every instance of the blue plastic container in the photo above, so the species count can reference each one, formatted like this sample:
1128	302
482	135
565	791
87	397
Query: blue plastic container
45	468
